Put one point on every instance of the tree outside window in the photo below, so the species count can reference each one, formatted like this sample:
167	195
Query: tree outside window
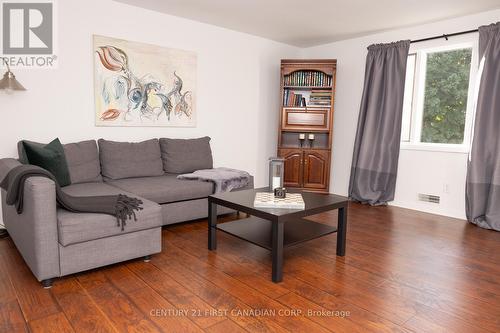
445	102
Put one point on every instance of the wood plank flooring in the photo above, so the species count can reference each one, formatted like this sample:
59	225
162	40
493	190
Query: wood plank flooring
404	271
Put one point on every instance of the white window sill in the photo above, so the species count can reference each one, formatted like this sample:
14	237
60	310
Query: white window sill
436	147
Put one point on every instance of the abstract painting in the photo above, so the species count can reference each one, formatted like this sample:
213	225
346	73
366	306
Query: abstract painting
139	84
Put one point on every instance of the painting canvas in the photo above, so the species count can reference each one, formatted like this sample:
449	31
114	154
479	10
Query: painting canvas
139	84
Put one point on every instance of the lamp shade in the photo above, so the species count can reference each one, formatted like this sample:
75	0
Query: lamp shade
9	82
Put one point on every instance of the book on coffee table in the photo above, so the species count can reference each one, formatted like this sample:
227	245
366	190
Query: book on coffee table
268	200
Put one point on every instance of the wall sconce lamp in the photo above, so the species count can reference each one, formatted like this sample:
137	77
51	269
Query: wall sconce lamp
9	82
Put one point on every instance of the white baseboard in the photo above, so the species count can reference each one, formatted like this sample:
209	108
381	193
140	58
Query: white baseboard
431	208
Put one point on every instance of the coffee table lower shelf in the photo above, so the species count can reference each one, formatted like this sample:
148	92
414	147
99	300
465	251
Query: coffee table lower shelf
258	231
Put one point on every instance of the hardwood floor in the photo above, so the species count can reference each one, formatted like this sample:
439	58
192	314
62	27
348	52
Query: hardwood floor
403	271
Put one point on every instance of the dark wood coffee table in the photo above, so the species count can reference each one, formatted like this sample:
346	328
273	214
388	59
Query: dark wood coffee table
277	228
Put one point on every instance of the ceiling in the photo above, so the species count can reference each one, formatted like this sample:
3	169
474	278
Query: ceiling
312	22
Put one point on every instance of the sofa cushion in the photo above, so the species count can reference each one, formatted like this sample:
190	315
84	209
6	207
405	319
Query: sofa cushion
165	189
130	159
186	155
22	153
50	157
82	158
81	227
83	162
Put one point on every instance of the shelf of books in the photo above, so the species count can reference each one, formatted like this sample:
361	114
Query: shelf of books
312	98
308	78
307	88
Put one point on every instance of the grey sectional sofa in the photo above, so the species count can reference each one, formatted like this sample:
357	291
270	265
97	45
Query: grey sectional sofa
55	242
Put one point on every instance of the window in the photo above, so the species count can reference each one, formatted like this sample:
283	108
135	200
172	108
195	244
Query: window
408	97
437	108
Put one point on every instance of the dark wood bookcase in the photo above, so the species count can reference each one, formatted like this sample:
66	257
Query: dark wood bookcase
307	108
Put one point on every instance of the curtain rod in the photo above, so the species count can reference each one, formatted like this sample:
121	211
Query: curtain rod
445	36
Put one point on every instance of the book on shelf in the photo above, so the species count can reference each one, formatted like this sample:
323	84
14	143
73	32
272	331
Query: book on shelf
320	98
320	92
307	79
319	102
290	98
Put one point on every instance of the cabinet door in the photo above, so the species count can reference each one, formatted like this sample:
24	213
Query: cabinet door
293	166
316	169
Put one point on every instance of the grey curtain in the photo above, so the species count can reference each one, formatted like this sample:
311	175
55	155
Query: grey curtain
483	170
376	149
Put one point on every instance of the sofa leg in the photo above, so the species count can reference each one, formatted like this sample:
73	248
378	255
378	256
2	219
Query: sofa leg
47	284
146	258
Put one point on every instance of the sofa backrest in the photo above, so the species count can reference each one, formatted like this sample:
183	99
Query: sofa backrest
82	158
130	159
186	155
83	162
118	160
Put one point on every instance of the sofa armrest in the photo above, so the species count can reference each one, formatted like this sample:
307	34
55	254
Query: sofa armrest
249	186
7	164
34	231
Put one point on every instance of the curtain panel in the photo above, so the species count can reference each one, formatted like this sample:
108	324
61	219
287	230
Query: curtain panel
483	169
376	148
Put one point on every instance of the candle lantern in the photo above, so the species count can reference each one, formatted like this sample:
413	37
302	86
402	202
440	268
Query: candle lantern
311	139
302	137
276	173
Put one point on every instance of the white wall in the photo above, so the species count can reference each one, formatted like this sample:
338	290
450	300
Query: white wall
237	85
419	171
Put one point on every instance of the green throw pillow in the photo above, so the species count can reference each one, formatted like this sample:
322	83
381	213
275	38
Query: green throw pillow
50	157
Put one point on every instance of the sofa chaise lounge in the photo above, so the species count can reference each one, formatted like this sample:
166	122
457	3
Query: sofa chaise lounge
55	242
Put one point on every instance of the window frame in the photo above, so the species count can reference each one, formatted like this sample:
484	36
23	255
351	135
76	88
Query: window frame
418	98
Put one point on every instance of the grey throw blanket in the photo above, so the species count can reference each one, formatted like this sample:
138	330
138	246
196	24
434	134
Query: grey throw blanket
120	206
224	179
